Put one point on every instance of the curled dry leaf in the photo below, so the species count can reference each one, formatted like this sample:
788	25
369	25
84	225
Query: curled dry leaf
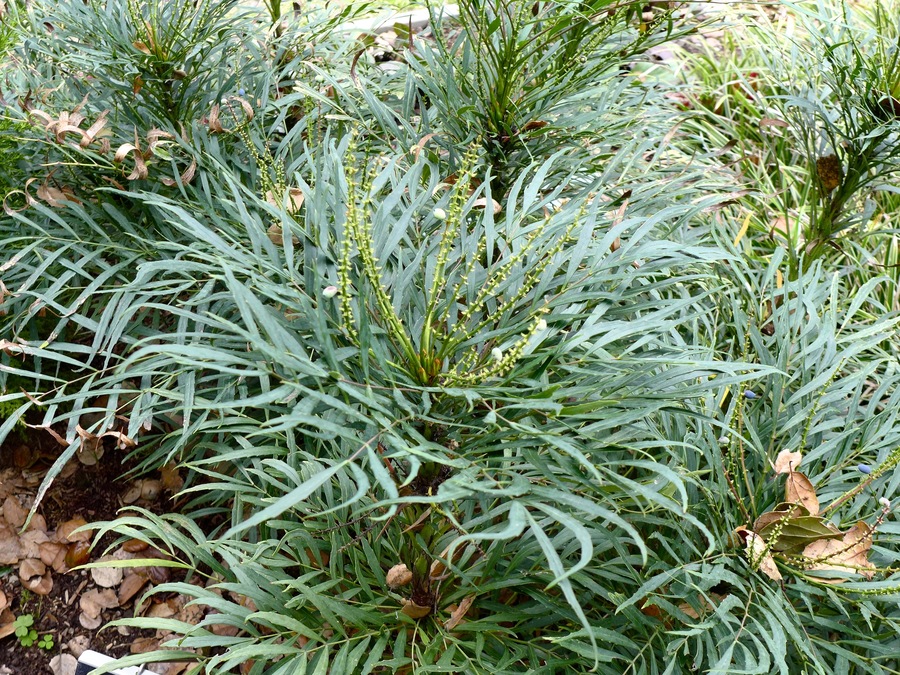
131	584
13	512
707	604
31	543
759	556
799	490
48	551
482	203
107	577
10	547
31	568
64	664
78	553
787	461
88	622
4	601
398	575
93	602
276	235
459	612
133	493
65	532
78	645
150	490
91	449
40	585
415	611
292	199
135	545
849	554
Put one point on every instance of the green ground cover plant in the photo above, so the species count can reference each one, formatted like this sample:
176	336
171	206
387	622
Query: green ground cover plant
528	353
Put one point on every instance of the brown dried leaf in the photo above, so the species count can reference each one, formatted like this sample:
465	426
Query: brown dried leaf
4	601
131	584
482	203
150	490
10	547
78	553
93	602
415	611
91	449
760	558
64	664
49	550
91	623
457	615
799	490
849	554
107	577
31	542
13	512
787	461
171	478
133	493
398	575
135	546
66	531
30	568
40	585
163	610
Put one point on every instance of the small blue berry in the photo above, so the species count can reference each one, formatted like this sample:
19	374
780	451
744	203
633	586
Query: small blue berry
750	394
241	91
864	468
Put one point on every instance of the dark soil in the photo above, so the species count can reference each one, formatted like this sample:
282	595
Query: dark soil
94	493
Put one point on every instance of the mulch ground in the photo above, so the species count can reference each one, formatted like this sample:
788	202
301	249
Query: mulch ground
70	608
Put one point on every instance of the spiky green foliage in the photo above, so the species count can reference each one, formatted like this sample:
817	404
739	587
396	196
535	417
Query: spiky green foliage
551	386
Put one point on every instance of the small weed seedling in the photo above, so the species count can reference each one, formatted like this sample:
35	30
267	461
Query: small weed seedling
24	631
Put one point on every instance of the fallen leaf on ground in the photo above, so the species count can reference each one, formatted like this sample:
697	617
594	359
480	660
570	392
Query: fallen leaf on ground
78	645
135	545
142	645
88	622
150	489
10	548
93	602
66	531
30	568
40	585
131	584
13	512
107	577
31	543
398	575
78	553
49	550
64	664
